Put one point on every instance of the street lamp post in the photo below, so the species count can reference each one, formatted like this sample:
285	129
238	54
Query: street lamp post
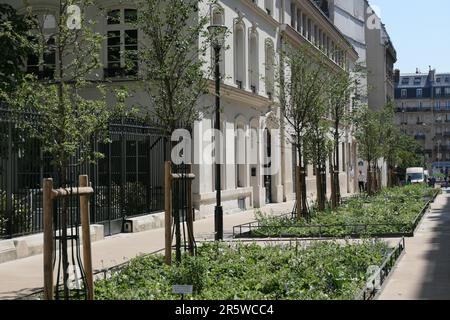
217	33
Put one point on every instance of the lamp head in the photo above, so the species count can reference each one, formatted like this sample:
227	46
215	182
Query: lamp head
217	33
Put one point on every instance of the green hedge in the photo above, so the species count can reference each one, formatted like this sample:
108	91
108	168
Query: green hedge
320	271
392	211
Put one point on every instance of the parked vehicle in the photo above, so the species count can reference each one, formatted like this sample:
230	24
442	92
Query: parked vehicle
415	175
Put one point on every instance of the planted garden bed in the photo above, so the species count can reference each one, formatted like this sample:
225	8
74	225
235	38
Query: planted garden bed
317	271
394	212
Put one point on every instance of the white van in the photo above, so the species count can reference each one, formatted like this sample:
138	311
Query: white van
415	175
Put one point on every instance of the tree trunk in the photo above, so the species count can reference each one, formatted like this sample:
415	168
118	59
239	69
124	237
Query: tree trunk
333	184
369	178
324	185
301	192
298	193
318	186
62	172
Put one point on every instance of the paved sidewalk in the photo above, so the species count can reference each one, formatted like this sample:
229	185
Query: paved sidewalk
22	277
423	273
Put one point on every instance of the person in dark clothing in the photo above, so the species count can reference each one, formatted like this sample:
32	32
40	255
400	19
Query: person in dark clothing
362	182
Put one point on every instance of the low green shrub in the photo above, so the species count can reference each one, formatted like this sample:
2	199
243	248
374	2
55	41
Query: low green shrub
389	212
21	216
321	270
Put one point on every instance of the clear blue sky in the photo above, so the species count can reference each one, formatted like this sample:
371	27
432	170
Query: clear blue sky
420	31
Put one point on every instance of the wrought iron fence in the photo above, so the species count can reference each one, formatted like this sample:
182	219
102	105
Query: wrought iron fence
128	181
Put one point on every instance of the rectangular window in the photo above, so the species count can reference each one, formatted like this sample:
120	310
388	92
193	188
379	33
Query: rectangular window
419	93
404	93
122	43
42	64
447	91
114	17
131	55
130	15
405	81
438	91
113	50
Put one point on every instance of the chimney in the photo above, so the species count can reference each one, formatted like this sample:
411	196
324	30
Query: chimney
432	75
417	70
396	76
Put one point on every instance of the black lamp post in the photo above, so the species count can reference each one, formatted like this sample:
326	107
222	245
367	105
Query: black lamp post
217	33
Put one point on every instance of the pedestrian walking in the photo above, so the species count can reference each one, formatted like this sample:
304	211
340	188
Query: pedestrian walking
362	182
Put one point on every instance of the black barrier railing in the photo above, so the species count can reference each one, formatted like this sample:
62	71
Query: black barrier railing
376	281
128	181
257	229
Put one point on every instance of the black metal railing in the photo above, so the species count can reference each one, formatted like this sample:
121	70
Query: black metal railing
376	281
128	181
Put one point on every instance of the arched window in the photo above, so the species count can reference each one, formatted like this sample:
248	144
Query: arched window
270	68
239	54
240	154
253	58
218	18
122	43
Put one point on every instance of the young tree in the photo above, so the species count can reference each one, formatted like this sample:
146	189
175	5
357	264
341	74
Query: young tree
368	133
398	149
340	85
67	121
319	147
14	32
300	89
174	70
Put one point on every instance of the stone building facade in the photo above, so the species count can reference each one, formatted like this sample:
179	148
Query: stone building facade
248	95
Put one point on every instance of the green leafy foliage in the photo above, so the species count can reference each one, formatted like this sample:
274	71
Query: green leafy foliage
21	214
14	31
175	76
321	270
391	211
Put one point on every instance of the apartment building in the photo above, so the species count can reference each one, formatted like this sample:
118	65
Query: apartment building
364	29
423	112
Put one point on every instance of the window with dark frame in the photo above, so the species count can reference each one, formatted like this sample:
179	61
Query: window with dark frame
122	43
42	65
